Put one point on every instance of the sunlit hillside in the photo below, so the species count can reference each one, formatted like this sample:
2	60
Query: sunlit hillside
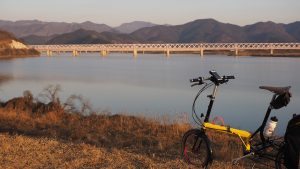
12	47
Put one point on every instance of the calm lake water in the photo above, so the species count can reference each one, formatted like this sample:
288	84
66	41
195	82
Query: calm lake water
153	84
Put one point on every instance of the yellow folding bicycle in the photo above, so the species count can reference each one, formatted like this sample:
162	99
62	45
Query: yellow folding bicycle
196	146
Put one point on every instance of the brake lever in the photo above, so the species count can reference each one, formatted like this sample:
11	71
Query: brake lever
195	84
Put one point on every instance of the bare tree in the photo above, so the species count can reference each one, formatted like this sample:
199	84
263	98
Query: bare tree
50	94
76	103
28	95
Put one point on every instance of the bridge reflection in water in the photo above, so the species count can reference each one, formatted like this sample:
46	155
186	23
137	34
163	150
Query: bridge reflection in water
104	49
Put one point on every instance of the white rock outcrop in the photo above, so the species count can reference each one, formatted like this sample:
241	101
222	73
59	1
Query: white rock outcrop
17	45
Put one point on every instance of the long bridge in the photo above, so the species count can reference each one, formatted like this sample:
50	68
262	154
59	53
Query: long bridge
104	49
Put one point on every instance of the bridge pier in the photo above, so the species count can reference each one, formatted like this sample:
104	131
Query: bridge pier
103	53
49	53
271	51
236	52
201	52
75	53
135	52
168	53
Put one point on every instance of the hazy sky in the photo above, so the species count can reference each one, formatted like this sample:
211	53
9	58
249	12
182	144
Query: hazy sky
115	12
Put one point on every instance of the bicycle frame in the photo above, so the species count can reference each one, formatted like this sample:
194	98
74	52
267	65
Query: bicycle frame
245	136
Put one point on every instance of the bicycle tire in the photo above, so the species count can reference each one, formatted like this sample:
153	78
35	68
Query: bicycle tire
196	148
279	161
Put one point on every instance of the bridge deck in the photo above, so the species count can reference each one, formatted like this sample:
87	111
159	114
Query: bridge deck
176	47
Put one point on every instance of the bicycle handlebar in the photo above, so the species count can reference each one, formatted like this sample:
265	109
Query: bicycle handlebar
215	78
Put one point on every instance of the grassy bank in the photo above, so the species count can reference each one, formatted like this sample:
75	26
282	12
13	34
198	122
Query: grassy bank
29	152
51	134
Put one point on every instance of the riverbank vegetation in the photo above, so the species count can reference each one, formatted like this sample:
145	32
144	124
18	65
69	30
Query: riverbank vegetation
42	132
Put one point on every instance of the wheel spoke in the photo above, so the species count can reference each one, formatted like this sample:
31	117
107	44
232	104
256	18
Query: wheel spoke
195	148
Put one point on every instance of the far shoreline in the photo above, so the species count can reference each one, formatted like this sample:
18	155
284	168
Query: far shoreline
4	78
7	57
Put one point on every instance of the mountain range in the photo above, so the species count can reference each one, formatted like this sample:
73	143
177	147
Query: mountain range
202	30
83	36
25	28
133	26
209	30
39	28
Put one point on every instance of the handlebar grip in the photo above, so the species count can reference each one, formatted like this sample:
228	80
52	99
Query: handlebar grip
194	80
199	79
229	77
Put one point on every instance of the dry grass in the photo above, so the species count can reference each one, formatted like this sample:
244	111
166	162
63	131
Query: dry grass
117	131
54	138
59	140
26	152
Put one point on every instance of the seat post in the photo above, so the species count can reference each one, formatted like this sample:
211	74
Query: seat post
263	125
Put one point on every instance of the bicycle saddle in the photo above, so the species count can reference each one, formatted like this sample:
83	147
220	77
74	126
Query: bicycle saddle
277	90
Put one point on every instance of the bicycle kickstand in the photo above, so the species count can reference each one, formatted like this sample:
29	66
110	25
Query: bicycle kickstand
235	161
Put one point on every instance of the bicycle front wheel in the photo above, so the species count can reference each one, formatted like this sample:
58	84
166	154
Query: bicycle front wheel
196	148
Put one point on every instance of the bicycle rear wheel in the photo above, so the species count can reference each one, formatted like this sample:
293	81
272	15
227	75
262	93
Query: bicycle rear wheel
196	148
279	161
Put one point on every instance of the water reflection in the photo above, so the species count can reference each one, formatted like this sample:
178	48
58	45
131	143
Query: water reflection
154	84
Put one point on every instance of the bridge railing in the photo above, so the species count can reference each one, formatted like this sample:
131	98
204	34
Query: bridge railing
167	47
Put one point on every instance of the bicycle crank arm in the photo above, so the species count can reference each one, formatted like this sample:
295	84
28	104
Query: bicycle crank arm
235	161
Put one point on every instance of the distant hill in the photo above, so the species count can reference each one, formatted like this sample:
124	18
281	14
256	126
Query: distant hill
209	30
158	34
202	30
6	36
133	26
12	47
293	29
39	28
82	36
37	40
268	32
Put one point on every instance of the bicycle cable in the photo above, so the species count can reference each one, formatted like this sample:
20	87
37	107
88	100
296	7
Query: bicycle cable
195	117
